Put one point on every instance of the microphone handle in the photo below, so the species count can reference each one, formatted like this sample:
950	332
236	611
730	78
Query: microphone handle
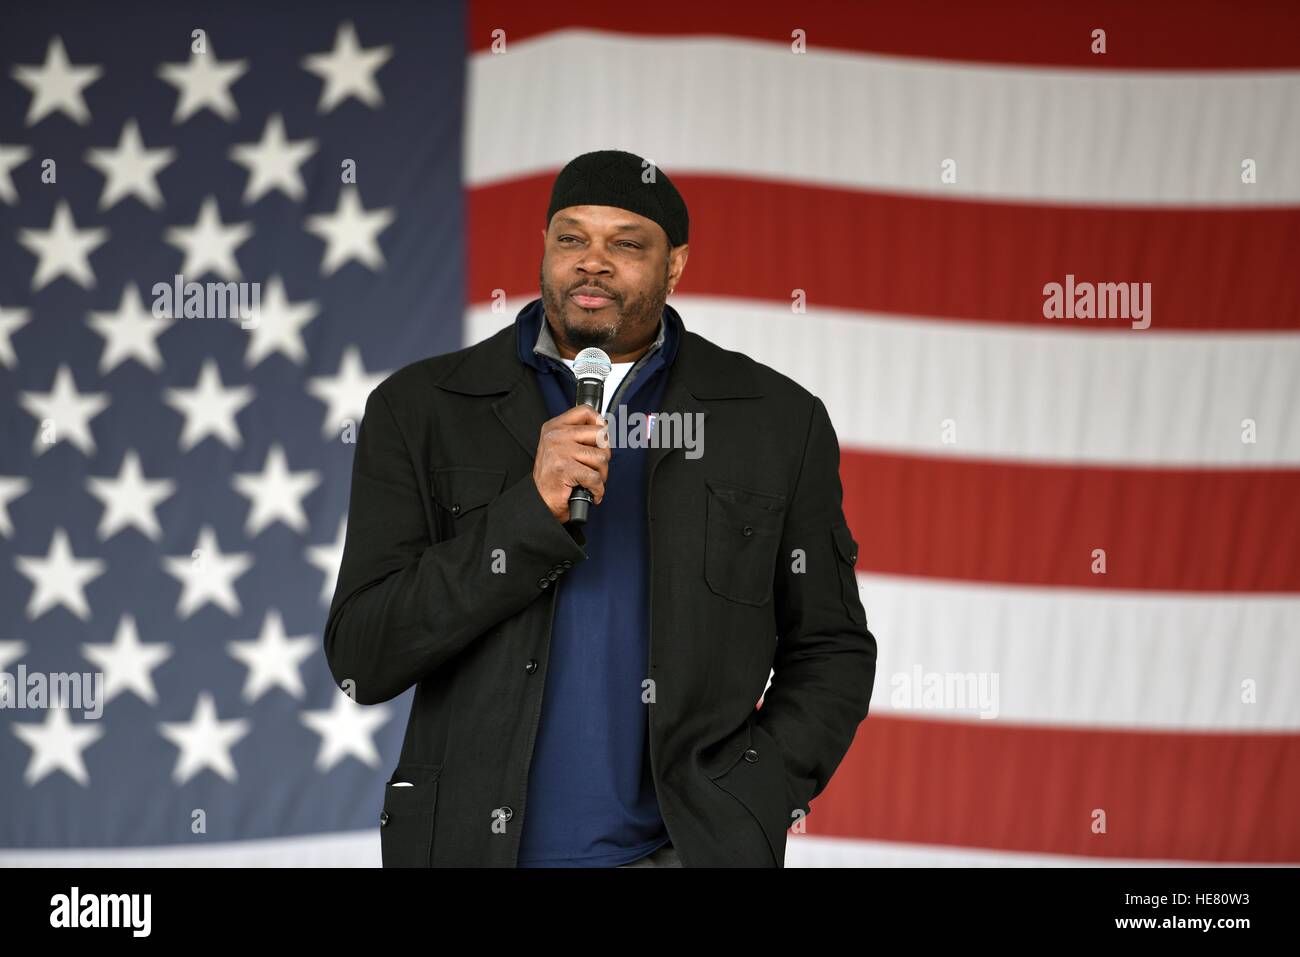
590	393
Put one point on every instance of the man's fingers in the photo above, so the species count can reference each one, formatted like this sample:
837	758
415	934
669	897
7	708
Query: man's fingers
578	415
582	434
589	479
597	458
573	451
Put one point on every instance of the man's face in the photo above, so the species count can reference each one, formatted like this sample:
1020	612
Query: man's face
605	277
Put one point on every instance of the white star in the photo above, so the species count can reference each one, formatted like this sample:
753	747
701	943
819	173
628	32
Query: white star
63	249
273	659
347	728
64	413
130	499
277	325
57	85
346	392
275	494
204	740
11	487
207	575
210	244
209	408
329	558
11	320
127	663
60	578
204	82
130	170
273	162
56	745
350	232
10	158
348	70
129	333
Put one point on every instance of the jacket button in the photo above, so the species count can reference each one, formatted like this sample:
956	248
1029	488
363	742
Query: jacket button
531	666
383	818
455	510
751	755
543	583
854	557
552	575
749	530
566	563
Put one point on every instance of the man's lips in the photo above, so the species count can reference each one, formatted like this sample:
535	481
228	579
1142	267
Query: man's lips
592	301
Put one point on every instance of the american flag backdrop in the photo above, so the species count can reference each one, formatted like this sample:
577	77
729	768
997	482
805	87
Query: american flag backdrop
1079	535
183	533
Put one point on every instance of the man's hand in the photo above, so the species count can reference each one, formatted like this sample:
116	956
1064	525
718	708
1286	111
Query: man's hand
573	450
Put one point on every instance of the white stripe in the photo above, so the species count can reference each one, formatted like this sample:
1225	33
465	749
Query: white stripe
865	121
1078	657
815	851
361	849
1126	398
345	849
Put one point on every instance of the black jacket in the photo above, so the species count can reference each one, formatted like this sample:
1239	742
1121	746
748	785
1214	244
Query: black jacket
752	570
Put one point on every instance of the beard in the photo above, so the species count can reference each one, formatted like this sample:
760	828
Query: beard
614	328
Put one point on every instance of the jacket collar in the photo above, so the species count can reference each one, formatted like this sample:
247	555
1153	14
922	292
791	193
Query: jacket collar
699	371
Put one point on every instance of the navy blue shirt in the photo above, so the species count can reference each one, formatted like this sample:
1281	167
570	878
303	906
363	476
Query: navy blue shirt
591	795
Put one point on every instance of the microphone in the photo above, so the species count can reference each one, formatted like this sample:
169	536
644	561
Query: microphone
590	368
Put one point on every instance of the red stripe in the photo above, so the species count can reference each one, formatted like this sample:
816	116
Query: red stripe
1031	524
1176	796
1157	34
1209	269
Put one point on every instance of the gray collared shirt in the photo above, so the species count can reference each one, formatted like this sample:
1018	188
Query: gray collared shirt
546	347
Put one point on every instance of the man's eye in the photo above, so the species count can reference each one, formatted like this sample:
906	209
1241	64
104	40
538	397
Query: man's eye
627	243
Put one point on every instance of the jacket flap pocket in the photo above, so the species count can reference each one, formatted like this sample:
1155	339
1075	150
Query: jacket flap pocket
406	822
463	488
749	500
757	779
726	753
845	544
741	538
415	774
847	549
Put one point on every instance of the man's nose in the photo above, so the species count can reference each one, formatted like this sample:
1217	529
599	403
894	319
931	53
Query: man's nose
594	261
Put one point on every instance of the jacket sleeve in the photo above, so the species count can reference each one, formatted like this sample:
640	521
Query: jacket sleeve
825	661
404	605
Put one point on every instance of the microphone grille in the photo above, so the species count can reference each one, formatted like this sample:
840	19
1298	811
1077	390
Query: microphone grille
592	363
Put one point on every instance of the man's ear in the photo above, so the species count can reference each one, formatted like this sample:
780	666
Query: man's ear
677	262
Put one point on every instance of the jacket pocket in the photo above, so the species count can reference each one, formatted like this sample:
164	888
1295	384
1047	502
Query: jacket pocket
756	778
846	550
741	537
406	822
460	491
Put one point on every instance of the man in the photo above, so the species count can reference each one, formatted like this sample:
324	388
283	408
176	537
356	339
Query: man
586	693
